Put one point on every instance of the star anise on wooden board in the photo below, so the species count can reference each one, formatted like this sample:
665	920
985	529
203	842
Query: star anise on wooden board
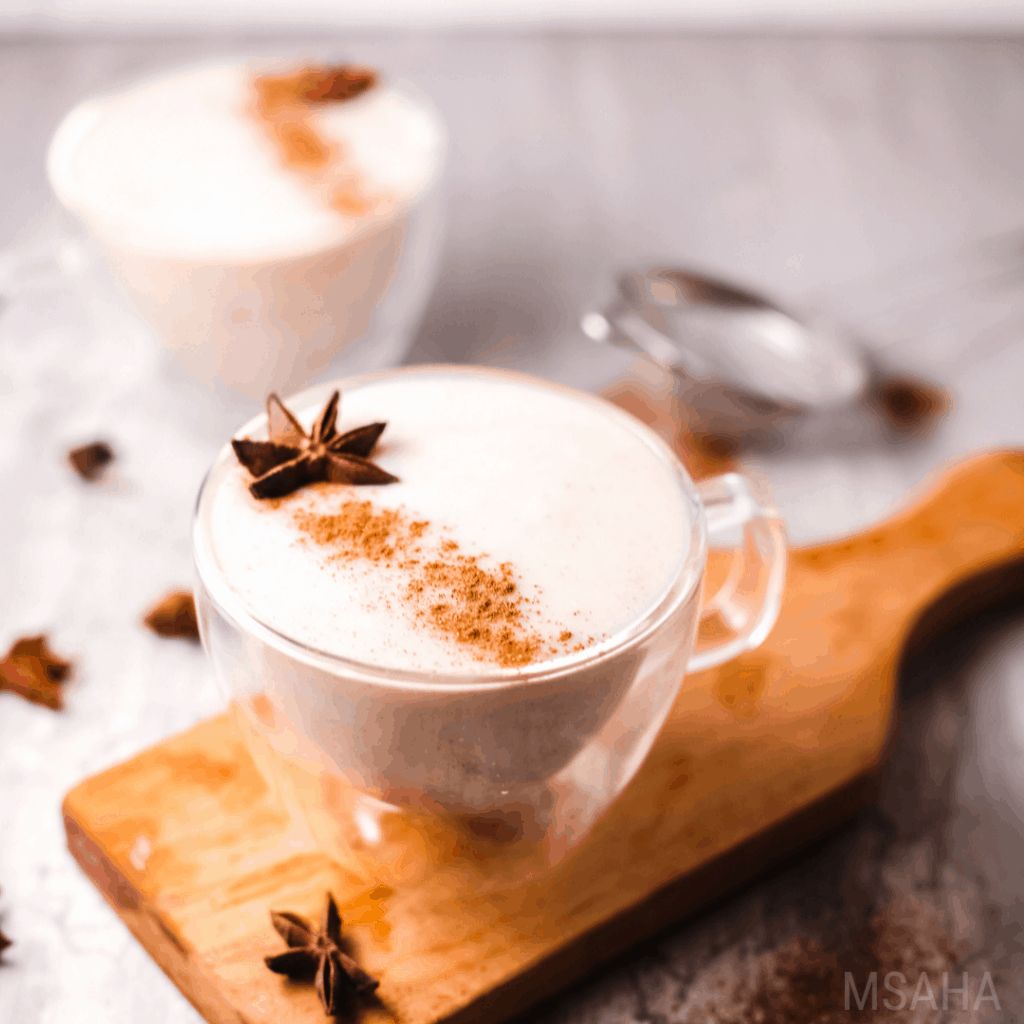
32	670
174	616
317	954
292	458
89	460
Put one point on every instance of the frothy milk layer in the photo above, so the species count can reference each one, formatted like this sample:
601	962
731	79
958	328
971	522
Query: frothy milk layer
577	498
180	166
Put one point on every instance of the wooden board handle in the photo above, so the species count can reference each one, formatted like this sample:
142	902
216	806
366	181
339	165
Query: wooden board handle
967	525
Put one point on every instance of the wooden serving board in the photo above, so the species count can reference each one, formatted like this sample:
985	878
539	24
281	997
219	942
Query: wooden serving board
756	758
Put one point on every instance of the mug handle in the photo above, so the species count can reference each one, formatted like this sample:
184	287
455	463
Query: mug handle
743	610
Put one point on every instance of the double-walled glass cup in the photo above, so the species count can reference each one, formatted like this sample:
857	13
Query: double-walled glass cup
244	315
399	772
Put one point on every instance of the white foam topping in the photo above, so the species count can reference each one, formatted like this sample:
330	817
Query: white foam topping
578	497
179	165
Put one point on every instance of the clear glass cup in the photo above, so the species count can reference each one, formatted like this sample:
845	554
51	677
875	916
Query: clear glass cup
273	316
400	774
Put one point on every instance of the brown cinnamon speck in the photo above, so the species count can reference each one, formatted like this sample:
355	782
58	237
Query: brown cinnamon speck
479	609
360	530
452	594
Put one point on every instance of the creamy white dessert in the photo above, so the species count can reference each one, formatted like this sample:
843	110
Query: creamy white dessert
481	617
261	232
501	480
183	166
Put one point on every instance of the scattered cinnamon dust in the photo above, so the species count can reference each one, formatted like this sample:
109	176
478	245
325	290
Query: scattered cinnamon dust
350	202
300	146
359	530
452	594
476	607
284	104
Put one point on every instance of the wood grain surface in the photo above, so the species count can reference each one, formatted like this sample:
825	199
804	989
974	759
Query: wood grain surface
757	756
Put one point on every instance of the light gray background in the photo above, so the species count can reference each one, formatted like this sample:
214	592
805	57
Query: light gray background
803	166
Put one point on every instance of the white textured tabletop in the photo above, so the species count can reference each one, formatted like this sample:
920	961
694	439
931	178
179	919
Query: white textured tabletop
805	167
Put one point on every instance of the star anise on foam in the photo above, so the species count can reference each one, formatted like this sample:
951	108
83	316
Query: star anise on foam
318	954
292	458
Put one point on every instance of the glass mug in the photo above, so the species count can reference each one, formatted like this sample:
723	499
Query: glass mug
397	773
243	317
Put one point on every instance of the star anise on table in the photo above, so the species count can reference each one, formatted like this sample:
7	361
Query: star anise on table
292	458
174	616
89	460
34	672
317	954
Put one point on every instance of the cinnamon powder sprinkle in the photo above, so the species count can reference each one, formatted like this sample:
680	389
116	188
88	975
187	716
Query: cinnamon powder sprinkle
477	608
359	530
283	105
449	593
300	145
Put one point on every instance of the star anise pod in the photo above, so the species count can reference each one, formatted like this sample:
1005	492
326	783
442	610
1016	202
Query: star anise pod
341	82
317	954
292	458
316	84
89	460
32	670
174	616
